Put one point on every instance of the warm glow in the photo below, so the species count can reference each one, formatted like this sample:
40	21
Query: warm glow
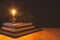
13	11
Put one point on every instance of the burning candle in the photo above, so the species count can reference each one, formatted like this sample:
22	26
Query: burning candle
13	11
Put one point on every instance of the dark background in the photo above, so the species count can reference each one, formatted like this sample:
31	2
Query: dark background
44	13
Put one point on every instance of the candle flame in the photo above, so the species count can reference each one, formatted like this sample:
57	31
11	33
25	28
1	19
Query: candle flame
13	12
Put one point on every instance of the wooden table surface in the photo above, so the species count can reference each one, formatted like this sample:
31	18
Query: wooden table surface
45	34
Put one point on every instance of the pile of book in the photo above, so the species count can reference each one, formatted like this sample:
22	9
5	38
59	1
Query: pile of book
18	29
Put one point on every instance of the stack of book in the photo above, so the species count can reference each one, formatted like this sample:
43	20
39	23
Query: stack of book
18	29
